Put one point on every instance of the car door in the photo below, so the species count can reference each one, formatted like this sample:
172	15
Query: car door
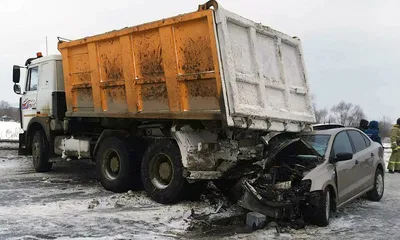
346	171
29	98
365	158
375	157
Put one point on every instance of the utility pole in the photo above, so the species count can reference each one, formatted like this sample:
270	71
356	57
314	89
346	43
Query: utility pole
47	49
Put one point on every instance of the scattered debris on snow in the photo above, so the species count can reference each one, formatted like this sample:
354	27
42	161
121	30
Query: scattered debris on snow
94	203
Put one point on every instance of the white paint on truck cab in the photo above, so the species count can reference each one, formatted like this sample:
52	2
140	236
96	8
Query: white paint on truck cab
42	79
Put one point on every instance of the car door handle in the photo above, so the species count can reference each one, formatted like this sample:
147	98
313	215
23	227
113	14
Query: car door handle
357	162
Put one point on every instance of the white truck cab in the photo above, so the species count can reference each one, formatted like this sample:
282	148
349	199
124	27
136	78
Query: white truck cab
44	76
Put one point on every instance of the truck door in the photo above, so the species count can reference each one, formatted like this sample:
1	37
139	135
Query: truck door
29	98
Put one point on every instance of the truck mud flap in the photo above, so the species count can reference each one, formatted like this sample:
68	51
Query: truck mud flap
22	150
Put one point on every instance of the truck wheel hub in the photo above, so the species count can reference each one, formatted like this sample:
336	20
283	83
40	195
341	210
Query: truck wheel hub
161	170
35	150
111	165
165	171
114	164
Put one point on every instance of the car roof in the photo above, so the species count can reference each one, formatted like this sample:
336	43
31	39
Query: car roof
327	124
332	131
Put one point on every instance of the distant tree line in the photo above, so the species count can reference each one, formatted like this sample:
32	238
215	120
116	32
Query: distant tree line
350	115
7	111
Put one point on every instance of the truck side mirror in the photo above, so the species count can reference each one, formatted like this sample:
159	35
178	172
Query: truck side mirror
16	75
17	89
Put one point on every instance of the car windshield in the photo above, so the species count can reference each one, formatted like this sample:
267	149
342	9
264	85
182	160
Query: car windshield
318	142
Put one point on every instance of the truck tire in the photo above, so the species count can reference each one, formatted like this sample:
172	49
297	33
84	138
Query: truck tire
40	152
116	165
162	172
379	187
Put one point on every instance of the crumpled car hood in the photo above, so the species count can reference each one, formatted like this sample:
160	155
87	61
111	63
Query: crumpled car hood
297	144
278	188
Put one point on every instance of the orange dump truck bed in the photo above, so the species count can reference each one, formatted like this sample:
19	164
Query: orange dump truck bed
208	64
163	69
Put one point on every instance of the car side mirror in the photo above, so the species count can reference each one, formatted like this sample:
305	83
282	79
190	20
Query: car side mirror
16	73
343	157
17	89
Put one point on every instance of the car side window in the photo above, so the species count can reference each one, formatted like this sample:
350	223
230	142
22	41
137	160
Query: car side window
33	79
342	144
358	140
367	141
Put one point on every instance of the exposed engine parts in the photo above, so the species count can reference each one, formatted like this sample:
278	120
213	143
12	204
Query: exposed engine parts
280	190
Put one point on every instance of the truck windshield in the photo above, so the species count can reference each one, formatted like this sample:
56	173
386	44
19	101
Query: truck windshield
318	142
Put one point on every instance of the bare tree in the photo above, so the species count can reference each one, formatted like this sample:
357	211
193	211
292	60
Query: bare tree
8	111
321	115
347	114
4	105
385	125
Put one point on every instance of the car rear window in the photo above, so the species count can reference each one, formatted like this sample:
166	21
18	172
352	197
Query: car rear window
358	140
367	141
326	126
318	142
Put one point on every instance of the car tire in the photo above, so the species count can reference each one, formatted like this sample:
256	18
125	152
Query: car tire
319	213
162	172
40	152
379	187
117	166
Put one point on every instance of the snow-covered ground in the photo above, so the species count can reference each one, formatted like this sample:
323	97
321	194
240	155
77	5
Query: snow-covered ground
9	130
69	203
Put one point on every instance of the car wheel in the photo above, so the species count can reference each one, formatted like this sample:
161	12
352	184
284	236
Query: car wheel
40	152
379	187
162	172
319	212
115	165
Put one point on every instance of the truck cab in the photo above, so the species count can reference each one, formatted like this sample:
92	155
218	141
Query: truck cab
43	86
44	76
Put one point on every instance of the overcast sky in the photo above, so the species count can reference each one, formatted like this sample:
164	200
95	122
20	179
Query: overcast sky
351	48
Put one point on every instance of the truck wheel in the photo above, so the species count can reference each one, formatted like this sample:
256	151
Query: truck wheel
162	172
40	152
115	164
379	186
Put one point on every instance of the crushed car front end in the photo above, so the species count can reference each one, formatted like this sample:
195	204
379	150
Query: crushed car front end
282	190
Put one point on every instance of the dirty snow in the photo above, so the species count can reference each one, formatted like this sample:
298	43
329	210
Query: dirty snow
9	130
69	203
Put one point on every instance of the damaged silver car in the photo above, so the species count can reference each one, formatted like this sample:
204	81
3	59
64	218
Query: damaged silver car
309	175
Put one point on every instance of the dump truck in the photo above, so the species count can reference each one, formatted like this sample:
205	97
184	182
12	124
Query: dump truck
166	104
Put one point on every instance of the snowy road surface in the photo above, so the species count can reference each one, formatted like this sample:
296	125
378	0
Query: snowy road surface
69	203
9	130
